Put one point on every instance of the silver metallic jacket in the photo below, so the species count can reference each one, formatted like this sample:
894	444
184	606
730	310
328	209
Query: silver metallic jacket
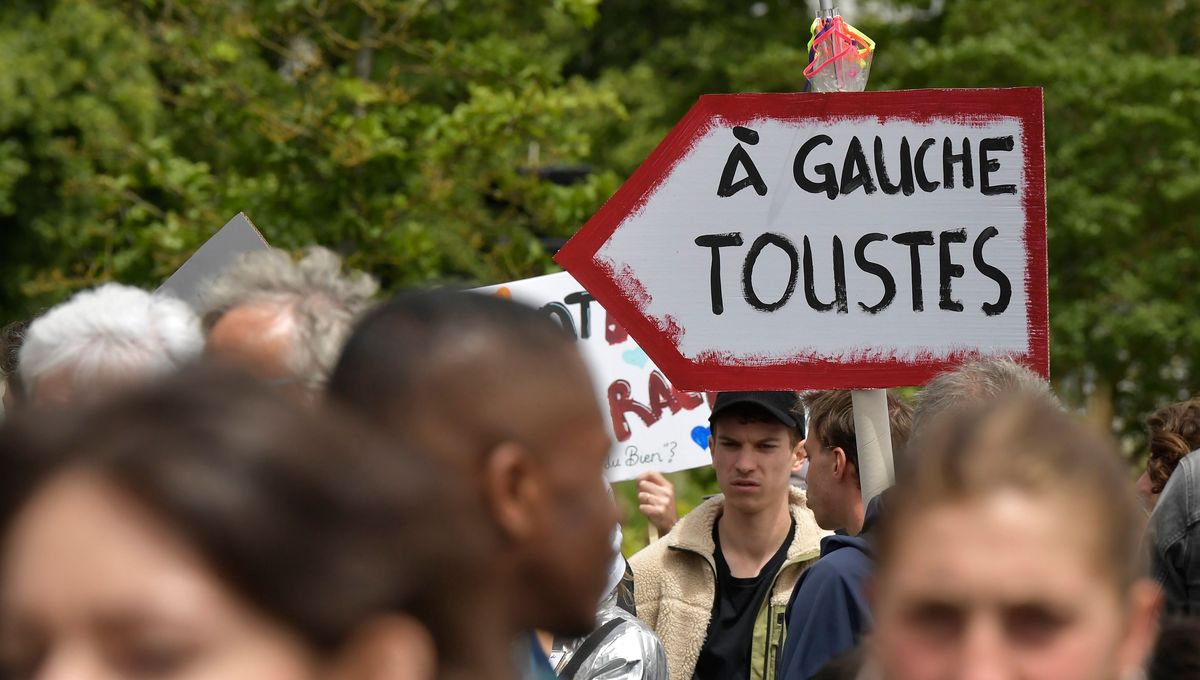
630	652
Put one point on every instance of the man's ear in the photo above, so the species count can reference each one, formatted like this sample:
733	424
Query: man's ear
841	465
511	490
712	446
798	456
394	647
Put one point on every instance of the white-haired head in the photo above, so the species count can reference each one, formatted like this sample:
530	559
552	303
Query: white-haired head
287	319
112	334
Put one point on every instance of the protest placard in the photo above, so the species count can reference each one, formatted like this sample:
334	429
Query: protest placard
850	240
237	236
654	425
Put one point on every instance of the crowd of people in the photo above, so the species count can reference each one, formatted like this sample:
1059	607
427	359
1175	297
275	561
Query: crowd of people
298	481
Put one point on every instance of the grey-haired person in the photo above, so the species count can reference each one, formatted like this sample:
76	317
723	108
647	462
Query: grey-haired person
285	320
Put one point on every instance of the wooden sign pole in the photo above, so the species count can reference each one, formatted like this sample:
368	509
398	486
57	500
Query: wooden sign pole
873	433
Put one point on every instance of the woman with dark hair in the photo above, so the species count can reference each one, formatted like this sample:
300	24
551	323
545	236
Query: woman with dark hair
205	528
1174	432
1014	550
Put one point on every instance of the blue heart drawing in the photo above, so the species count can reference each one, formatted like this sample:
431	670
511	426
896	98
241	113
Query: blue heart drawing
635	357
700	435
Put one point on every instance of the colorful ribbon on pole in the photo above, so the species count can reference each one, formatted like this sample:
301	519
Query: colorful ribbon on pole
839	56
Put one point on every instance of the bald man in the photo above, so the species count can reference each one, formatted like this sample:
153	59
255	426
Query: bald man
498	393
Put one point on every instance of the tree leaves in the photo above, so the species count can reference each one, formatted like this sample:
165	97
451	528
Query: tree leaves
397	132
412	135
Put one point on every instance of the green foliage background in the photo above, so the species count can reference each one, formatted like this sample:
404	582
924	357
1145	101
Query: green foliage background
407	134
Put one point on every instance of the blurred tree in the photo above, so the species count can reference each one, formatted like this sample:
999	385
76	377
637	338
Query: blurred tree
407	134
661	56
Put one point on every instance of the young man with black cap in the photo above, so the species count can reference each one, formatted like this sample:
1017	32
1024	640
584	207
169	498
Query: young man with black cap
715	589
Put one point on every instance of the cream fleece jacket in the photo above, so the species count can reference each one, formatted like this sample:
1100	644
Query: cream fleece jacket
675	583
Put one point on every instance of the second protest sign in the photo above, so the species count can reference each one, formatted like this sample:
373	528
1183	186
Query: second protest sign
654	425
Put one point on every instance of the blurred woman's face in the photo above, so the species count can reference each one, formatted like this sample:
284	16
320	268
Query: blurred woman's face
94	587
1006	587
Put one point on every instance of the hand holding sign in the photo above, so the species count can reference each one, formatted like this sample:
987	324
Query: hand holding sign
656	500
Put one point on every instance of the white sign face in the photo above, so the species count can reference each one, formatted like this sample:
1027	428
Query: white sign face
948	220
871	242
655	426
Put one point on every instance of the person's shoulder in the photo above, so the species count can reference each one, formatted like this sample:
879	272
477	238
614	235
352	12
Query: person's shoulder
631	645
650	566
1184	481
650	555
849	562
834	579
1186	473
1178	508
632	626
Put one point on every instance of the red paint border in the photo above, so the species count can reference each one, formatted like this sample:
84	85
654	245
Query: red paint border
578	256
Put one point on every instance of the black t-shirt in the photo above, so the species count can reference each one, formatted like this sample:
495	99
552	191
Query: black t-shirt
726	651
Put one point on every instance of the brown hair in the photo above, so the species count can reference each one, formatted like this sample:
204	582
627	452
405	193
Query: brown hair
831	418
308	517
1174	432
1031	447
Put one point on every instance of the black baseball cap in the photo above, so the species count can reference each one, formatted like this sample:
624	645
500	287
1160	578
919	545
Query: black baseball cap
782	405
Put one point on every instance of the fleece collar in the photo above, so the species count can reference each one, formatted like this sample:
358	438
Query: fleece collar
694	532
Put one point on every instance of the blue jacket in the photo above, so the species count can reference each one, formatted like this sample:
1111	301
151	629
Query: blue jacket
1175	538
530	661
829	612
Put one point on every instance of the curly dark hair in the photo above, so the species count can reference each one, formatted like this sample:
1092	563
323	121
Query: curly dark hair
1174	432
11	338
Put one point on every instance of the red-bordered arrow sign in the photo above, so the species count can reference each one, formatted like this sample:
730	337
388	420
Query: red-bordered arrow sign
852	240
